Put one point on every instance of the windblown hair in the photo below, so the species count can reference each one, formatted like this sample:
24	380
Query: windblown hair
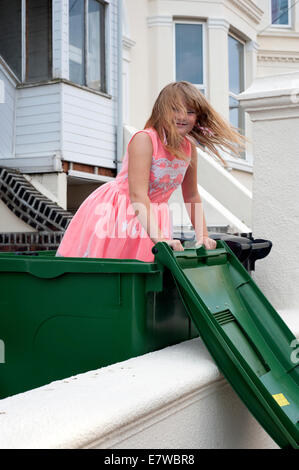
210	131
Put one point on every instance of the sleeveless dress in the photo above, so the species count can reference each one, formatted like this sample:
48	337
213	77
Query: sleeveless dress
105	225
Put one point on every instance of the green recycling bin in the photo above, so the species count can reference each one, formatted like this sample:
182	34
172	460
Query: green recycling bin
64	316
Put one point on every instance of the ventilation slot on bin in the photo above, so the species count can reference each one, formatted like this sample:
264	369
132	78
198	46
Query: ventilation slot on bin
223	317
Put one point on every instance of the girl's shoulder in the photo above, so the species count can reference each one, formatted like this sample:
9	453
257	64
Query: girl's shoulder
159	146
152	134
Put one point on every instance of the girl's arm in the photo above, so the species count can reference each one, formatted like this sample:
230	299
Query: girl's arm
194	204
140	160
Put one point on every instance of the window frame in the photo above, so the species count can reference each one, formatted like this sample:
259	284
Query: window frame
201	87
244	163
282	26
24	36
231	93
103	52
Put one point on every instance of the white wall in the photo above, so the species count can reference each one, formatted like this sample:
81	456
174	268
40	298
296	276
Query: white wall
140	103
88	127
9	222
273	105
51	185
38	120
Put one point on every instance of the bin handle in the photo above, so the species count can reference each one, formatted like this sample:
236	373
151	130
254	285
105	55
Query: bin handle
262	245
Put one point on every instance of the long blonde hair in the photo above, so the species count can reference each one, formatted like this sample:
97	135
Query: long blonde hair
210	131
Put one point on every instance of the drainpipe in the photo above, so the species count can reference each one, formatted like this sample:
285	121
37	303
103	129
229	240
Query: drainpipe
119	150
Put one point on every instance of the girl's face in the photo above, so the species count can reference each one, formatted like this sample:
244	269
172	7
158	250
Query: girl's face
185	121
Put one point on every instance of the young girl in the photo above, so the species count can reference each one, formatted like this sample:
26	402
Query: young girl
127	216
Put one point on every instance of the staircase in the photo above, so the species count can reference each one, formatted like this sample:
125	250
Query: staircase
36	210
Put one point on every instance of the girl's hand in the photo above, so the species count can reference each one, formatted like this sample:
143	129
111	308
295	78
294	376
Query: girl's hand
208	243
174	244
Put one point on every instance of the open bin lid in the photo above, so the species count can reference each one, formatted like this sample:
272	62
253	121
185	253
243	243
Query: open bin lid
247	249
244	334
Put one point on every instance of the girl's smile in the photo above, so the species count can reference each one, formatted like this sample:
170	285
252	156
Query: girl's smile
185	121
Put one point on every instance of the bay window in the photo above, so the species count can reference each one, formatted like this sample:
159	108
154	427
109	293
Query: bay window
11	34
27	25
87	61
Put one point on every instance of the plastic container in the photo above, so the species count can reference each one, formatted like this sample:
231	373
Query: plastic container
248	340
247	249
64	316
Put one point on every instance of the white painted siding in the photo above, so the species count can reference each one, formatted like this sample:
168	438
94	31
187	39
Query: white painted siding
88	127
7	115
38	120
89	119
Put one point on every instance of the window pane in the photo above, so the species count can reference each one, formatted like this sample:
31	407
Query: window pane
234	115
96	46
236	83
10	34
39	40
280	13
189	52
236	65
76	38
237	117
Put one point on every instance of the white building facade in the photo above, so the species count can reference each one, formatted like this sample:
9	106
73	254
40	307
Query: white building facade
63	102
59	72
219	46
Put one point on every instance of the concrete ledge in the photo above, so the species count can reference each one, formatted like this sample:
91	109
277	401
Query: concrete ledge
175	398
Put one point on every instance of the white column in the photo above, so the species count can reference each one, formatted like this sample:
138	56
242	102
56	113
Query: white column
251	50
126	58
218	65
60	38
273	105
127	44
160	52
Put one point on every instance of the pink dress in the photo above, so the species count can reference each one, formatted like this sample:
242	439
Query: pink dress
105	225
